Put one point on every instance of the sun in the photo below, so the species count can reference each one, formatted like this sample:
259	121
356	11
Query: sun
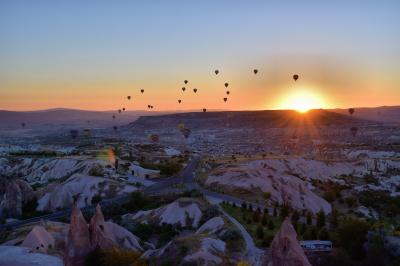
302	101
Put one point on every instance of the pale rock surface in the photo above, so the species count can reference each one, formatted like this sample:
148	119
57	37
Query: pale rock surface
177	212
286	249
211	226
83	188
39	239
78	241
21	256
14	193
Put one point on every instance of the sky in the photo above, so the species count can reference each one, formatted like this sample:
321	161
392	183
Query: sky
92	54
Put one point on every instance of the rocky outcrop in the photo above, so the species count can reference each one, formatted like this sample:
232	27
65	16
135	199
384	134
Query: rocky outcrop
81	189
211	226
82	239
99	236
78	242
183	212
285	248
277	177
39	240
14	193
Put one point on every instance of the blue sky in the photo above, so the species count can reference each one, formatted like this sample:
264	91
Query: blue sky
82	45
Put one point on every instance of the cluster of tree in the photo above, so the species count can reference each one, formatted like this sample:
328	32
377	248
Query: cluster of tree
114	256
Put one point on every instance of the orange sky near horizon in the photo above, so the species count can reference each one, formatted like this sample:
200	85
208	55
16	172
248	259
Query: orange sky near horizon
92	54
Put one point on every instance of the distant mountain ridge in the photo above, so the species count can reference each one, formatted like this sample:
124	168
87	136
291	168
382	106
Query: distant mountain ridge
240	119
390	114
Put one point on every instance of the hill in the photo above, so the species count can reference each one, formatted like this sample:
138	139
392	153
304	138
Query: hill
390	114
240	119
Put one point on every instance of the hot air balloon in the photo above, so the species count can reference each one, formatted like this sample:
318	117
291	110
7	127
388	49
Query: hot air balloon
195	90
216	72
148	106
255	71
351	111
204	110
183	88
226	85
179	101
113	116
115	128
353	131
22	124
73	133
154	138
227	92
119	110
186	82
225	99
295	77
129	97
142	90
185	132
123	109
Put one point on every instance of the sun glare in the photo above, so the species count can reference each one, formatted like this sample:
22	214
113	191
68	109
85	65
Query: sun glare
302	101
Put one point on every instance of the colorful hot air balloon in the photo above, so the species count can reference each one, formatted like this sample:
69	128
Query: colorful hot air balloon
255	71
183	88
179	101
225	99
204	110
119	110
154	138
195	90
216	72
226	85
185	81
295	77
185	132
227	92
129	97
123	109
351	111
181	126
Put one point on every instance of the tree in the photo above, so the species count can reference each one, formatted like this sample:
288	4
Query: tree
309	218
114	256
334	218
244	206
321	219
271	225
256	217
250	207
284	211
264	220
352	235
260	232
295	216
323	234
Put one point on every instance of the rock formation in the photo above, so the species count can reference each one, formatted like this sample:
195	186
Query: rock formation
78	241
39	239
82	239
14	193
99	237
285	248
